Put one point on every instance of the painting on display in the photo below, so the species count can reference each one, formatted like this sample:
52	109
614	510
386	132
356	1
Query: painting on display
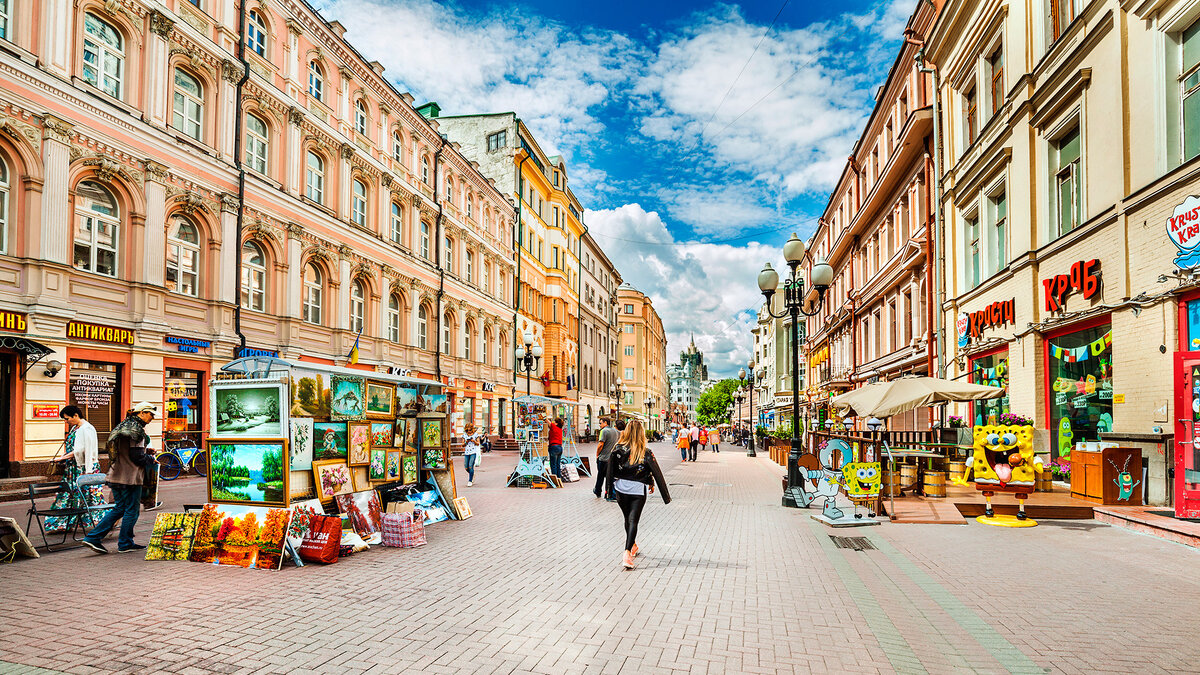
332	478
247	409
433	432
381	434
359	434
377	470
250	471
172	536
437	403
408	402
381	400
329	440
302	443
433	458
431	504
392	470
302	513
366	514
348	398
408	468
251	537
310	393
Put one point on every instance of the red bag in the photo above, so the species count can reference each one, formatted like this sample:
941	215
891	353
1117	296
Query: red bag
404	530
322	540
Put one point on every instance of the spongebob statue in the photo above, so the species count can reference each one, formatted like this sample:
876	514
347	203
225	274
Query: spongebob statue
1003	461
861	482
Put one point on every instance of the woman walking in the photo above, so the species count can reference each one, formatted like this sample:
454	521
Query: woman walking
471	449
82	455
632	473
684	443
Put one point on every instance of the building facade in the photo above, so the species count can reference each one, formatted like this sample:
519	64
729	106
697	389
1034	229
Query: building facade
643	375
598	331
137	262
688	379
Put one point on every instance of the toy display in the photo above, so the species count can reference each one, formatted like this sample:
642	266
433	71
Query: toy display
1003	461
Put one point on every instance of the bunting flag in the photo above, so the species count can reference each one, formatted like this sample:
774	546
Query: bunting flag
1083	353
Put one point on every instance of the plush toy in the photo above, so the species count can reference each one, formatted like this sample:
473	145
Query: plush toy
1003	461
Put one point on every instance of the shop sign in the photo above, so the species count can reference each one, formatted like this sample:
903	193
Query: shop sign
1118	398
818	356
45	412
92	391
995	314
397	370
78	330
487	386
13	322
1183	227
1084	278
964	329
242	352
188	345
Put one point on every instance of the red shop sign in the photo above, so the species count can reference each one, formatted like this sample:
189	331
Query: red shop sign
995	314
1084	278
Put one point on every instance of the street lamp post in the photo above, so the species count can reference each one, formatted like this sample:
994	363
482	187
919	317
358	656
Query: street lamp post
750	452
649	405
615	390
794	301
528	357
738	397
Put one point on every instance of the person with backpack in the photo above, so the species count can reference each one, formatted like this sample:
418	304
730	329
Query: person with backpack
129	454
632	474
608	441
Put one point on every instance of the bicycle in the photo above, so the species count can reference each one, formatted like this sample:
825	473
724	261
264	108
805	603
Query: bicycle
180	455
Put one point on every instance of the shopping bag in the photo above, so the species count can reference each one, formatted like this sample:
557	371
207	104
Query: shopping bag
410	529
322	540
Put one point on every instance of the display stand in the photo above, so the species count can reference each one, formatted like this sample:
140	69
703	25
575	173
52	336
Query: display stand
530	467
542	407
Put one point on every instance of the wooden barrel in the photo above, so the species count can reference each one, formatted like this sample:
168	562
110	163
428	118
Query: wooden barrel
1045	482
908	474
891	484
935	484
957	469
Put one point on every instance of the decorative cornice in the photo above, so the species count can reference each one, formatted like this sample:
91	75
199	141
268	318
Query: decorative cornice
345	252
294	27
231	71
155	171
160	25
347	151
56	129
295	231
230	203
295	115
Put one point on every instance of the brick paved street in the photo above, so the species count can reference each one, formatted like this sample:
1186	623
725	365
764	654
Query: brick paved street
729	582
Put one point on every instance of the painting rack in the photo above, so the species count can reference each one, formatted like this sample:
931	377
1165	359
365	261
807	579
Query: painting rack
570	454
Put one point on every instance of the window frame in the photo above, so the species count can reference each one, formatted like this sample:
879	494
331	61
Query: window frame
394	312
1060	175
997	228
94	246
104	52
319	173
358	307
970	100
422	327
995	63
258	146
1185	92
258	270
179	246
361	119
397	220
192	114
312	295
973	249
359	202
425	241
256	23
5	200
316	80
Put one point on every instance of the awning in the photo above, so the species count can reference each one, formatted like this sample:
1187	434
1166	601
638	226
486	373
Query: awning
31	351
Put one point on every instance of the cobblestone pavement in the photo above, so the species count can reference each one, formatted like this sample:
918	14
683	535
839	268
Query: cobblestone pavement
729	582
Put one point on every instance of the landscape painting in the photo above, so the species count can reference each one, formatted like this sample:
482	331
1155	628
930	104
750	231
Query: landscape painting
247	410
348	398
366	514
437	403
251	537
171	538
329	440
360	443
381	400
381	434
310	393
248	472
302	443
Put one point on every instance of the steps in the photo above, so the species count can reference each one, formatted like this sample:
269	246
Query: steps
16	489
1151	520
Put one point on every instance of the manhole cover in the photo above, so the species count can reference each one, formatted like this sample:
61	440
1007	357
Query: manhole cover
855	543
719	484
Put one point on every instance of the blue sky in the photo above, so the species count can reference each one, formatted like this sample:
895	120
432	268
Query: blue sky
697	135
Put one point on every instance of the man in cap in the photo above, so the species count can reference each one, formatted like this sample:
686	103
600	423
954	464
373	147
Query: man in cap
129	454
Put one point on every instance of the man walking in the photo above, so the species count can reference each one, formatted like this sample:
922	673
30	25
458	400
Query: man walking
694	442
128	447
608	440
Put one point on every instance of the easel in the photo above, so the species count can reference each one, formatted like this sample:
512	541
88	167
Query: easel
570	454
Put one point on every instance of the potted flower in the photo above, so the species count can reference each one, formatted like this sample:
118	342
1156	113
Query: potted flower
1015	420
957	422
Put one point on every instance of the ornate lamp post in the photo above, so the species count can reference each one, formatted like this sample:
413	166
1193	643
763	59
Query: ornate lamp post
750	385
793	307
738	397
649	405
615	390
528	357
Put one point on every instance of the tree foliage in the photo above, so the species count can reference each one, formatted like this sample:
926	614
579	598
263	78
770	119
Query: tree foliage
713	406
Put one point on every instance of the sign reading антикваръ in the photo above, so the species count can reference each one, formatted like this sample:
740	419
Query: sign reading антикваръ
78	330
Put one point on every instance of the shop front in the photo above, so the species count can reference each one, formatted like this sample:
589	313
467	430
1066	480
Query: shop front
990	368
1078	362
1187	409
18	354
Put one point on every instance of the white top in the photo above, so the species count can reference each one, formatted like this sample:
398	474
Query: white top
87	450
474	444
629	487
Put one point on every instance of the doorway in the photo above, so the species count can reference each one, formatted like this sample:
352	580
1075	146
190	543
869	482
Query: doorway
1187	436
8	370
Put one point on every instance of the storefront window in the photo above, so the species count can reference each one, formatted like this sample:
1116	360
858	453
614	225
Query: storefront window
991	370
96	389
184	415
1080	372
1193	325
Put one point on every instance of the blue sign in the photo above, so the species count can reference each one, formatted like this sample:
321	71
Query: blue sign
187	344
242	352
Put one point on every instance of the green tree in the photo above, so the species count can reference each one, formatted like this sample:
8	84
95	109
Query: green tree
713	406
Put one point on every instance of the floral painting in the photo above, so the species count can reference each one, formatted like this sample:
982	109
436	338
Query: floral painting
431	433
376	471
348	398
381	400
329	440
408	468
365	512
359	443
302	513
435	458
381	434
172	536
407	400
393	465
332	478
301	454
252	472
251	537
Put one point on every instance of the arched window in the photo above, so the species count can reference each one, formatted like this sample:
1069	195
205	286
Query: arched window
393	318
256	143
358	204
425	170
422	328
425	240
487	275
316	81
397	147
360	117
358	307
97	228
397	223
501	348
487	341
256	33
448	243
447	340
470	267
188	104
183	257
449	188
467	336
4	236
314	178
314	285
254	277
470	207
103	55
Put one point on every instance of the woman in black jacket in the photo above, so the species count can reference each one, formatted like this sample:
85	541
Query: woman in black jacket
632	472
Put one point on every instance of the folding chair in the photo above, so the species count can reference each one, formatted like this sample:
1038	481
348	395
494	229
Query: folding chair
52	490
94	513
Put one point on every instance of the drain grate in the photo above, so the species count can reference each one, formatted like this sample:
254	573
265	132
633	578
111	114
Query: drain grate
856	543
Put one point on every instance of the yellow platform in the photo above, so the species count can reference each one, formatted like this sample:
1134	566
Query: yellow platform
1004	520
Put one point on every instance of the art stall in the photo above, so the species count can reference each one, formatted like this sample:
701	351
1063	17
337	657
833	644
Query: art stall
311	462
534	416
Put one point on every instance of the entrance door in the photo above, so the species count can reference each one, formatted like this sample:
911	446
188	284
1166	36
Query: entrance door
8	365
1187	435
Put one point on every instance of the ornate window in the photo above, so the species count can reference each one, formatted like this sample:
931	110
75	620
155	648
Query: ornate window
397	223
397	147
487	275
188	104
256	33
447	339
314	181
449	255
360	117
254	277
422	328
449	188
358	307
483	352
183	257
97	223
470	267
316	81
314	285
470	207
425	170
256	143
358	204
4	191
103	55
468	336
425	240
393	318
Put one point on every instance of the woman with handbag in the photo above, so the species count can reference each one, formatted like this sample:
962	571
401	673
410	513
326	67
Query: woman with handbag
81	454
632	473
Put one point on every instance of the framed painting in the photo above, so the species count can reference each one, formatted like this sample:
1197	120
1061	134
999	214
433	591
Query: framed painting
359	440
432	432
463	508
381	400
365	510
172	536
392	469
377	470
310	393
437	403
301	455
382	434
248	471
434	459
407	401
247	409
302	513
332	478
359	478
347	400
408	468
251	537
329	440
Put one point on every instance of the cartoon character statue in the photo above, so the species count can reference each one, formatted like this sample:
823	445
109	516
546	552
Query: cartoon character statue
1124	480
821	479
1064	437
1003	461
861	482
1104	424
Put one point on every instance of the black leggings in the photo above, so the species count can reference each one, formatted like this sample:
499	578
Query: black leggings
631	506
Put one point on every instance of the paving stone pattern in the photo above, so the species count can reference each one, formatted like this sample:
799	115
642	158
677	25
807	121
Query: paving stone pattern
729	582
